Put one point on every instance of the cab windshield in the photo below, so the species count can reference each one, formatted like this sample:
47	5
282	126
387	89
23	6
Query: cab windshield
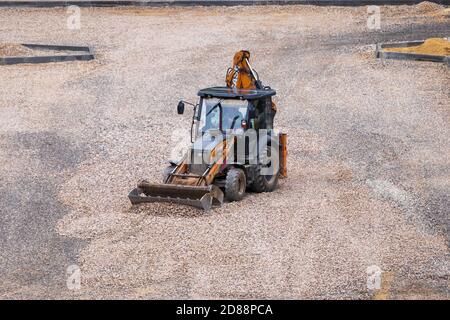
233	112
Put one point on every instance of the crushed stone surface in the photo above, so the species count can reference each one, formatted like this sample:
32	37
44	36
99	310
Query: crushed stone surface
368	160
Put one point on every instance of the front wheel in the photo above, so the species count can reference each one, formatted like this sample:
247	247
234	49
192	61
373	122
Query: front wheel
235	184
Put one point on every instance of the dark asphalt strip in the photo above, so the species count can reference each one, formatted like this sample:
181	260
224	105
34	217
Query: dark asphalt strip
32	252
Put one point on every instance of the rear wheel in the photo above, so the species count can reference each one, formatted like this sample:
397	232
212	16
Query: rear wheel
264	183
235	184
267	182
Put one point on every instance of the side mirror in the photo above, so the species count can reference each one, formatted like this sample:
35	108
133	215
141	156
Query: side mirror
180	107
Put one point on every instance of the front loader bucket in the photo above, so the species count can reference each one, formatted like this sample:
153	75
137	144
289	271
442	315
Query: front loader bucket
200	197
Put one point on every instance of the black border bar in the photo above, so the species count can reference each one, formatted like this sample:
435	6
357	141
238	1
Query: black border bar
188	3
86	56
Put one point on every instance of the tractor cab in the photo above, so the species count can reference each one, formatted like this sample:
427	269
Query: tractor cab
228	113
225	109
221	114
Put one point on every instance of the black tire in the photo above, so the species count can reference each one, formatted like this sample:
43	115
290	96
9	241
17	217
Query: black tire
166	172
265	183
235	184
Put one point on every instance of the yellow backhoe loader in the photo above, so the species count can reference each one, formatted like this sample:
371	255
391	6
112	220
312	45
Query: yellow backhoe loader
234	145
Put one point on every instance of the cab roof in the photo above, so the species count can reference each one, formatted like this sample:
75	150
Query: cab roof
233	93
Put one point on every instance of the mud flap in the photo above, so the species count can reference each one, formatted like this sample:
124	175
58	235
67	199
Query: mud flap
199	197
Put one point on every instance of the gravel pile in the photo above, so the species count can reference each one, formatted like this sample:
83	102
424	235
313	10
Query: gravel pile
436	11
428	6
368	155
11	50
432	46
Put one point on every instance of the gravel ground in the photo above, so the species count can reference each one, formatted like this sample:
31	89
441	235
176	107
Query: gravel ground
11	50
368	157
